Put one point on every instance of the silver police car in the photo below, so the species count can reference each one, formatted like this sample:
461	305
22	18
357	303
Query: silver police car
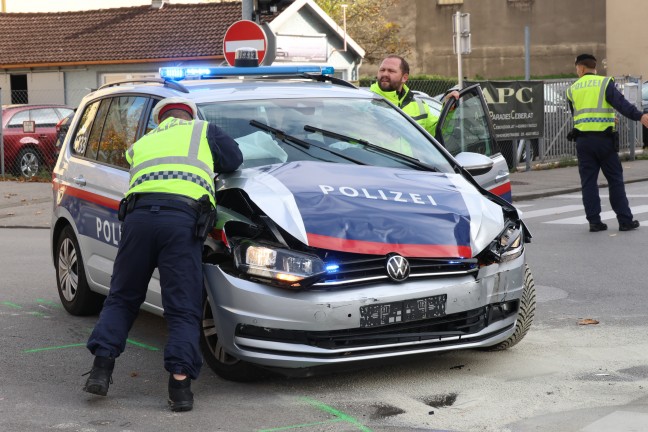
348	235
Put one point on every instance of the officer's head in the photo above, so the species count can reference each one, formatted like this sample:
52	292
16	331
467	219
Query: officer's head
585	63
393	73
177	107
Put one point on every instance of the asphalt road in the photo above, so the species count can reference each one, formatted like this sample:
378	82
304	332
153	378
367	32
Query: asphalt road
562	377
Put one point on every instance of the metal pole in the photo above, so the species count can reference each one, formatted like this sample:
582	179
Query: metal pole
344	8
527	63
457	18
527	77
247	8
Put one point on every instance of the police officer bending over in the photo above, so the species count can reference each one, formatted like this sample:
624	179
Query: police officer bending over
168	210
592	100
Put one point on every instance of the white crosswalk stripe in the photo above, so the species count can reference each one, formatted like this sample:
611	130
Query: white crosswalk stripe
550	211
606	215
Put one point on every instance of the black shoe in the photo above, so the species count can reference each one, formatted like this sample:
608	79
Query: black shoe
180	396
100	376
596	227
629	226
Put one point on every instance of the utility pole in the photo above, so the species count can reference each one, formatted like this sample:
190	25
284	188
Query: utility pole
247	7
461	39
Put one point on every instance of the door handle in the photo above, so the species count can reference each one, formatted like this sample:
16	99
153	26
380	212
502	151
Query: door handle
81	181
502	175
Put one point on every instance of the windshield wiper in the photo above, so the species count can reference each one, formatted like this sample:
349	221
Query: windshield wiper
367	144
281	135
289	139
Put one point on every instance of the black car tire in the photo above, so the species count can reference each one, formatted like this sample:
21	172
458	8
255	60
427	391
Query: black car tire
73	289
29	162
526	314
222	363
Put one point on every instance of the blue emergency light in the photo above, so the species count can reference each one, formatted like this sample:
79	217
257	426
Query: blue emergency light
178	73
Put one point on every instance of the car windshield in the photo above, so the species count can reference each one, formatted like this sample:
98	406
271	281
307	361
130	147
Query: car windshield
339	130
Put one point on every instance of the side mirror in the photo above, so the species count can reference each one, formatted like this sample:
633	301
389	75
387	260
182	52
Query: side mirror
476	164
29	126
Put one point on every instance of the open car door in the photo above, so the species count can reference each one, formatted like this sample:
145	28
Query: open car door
465	126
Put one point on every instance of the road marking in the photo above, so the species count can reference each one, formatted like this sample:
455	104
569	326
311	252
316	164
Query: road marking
550	211
608	215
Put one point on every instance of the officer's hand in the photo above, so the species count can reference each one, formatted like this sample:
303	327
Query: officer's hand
644	120
453	93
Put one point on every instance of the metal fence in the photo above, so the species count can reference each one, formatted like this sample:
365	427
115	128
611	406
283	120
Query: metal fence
554	146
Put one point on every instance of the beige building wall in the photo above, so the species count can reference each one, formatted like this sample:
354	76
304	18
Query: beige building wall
627	38
559	30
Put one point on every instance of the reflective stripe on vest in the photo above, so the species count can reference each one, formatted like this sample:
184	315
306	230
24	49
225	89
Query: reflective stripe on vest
592	112
422	113
175	175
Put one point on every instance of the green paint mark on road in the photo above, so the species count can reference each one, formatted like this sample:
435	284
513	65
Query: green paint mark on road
48	302
305	425
139	344
142	345
38	314
11	305
53	348
337	413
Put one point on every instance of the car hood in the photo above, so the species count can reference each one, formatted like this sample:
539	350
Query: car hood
372	210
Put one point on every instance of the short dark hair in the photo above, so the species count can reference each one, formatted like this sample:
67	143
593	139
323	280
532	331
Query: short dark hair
404	67
587	60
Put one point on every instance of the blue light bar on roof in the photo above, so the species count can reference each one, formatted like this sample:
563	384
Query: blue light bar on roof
177	73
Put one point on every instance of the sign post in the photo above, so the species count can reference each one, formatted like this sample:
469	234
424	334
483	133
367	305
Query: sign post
461	40
244	34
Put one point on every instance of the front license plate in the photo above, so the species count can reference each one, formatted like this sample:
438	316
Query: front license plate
402	311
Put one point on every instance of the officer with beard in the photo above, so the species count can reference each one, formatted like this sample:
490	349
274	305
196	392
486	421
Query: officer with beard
392	76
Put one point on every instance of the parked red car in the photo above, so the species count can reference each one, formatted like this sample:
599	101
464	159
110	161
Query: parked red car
29	137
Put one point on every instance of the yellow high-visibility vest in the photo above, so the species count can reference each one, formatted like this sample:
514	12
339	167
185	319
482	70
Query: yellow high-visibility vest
592	112
173	158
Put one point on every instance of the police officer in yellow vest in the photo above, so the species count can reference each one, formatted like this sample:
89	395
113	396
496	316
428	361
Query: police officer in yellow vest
592	100
166	213
391	78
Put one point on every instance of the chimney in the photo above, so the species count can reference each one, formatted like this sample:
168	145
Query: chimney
158	4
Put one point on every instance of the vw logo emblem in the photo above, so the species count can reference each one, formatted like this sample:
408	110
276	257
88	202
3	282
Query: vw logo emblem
398	268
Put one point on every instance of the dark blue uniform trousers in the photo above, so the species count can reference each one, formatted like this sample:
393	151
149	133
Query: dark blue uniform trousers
163	238
596	153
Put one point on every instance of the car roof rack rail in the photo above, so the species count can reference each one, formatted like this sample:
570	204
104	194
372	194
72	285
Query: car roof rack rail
165	82
332	79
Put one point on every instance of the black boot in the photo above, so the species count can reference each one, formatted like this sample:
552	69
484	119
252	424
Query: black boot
180	396
100	376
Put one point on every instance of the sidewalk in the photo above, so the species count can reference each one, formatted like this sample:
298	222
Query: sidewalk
538	183
29	204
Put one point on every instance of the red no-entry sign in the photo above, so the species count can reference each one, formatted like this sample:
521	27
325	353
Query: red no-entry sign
244	34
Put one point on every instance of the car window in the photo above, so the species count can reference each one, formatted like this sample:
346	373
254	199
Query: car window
83	130
64	112
44	117
315	122
17	120
120	129
466	128
94	138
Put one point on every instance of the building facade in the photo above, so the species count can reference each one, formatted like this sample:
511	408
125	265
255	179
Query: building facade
558	31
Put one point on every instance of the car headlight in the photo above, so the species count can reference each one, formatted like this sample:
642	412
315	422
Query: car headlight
507	246
277	265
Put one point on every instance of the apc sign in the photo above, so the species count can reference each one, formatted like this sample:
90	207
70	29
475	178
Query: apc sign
516	108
